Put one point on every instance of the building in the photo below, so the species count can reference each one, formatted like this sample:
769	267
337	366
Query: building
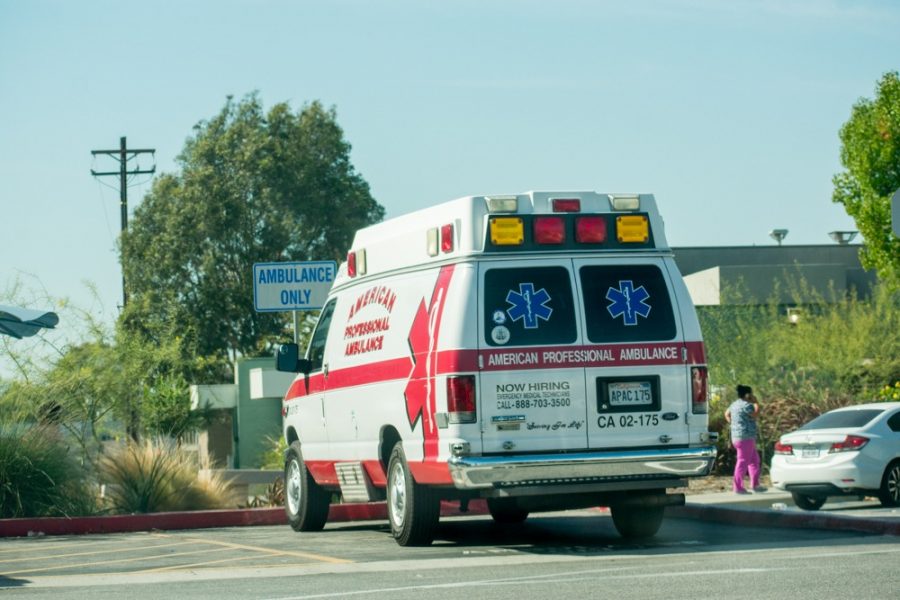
761	272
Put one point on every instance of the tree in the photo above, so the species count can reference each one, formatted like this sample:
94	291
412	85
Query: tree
253	188
870	154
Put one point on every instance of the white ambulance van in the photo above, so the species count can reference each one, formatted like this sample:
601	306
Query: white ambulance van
537	350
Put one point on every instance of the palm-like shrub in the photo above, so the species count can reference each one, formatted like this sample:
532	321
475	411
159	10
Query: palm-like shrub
39	476
158	476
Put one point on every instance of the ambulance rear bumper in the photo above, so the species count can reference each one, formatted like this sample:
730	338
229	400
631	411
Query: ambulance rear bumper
474	472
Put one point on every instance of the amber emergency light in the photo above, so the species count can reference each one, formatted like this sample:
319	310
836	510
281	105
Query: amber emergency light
507	231
632	228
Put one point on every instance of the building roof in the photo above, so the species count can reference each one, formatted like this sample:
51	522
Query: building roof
764	271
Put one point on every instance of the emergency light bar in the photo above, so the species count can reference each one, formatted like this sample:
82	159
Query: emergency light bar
572	232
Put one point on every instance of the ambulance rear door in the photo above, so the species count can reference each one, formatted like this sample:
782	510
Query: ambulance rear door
637	383
527	309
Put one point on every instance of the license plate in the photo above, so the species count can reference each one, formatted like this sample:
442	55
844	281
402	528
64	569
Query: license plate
630	393
809	452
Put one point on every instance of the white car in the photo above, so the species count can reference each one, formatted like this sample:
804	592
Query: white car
849	451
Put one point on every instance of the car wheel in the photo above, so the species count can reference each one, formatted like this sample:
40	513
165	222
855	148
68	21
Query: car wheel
889	494
305	501
413	509
637	522
808	502
505	511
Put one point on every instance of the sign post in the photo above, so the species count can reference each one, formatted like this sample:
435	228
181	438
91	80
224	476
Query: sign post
292	286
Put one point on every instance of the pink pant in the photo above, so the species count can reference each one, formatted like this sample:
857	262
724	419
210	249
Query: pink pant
747	461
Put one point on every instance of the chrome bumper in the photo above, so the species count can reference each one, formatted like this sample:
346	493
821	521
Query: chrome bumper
472	472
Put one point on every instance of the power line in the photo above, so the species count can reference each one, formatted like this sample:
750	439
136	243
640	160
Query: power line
123	155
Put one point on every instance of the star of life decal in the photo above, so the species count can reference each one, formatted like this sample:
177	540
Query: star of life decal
628	302
528	305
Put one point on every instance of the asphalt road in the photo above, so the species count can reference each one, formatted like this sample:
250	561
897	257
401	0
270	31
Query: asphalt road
560	555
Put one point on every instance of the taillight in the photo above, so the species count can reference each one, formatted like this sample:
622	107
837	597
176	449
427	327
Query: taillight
699	396
850	443
783	448
590	230
549	230
461	398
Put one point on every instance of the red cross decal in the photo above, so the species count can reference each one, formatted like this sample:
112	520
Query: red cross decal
423	338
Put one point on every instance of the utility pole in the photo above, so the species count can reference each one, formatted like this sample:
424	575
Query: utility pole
123	155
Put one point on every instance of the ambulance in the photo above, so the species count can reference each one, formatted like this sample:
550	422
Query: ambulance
537	351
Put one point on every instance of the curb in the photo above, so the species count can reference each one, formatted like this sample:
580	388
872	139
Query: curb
375	511
776	518
201	519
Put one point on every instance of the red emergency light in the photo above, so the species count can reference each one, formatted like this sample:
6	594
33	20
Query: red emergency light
549	230
590	230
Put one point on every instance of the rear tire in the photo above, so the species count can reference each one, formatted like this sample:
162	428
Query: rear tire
305	501
889	494
504	511
808	502
413	509
637	522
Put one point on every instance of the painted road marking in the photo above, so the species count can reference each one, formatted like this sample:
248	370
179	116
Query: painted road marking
111	562
317	557
193	565
94	552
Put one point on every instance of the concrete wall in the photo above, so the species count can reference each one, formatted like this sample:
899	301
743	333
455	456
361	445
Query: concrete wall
256	419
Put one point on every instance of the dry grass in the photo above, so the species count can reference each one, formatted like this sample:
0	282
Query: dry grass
157	476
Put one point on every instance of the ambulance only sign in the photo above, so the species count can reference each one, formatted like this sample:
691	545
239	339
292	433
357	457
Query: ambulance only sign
287	286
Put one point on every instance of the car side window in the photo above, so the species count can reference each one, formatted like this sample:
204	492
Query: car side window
316	351
894	421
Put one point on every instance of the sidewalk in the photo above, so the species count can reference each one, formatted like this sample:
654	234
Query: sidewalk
775	508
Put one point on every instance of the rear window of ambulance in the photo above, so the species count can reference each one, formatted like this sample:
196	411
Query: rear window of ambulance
627	303
530	306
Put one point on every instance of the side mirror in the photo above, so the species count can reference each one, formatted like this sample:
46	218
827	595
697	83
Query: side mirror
286	359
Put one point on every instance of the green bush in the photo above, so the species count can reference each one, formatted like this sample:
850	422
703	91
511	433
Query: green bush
273	457
841	351
39	476
159	477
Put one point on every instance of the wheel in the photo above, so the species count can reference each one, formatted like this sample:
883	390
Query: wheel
305	502
808	502
889	494
505	511
637	522
413	509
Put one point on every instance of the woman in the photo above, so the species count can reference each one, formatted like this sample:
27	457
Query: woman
742	416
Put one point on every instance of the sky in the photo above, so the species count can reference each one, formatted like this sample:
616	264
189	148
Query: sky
727	111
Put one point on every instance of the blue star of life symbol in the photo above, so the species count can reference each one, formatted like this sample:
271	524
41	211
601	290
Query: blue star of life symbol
627	302
528	305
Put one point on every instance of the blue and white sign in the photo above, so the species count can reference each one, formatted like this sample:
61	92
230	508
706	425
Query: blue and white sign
528	305
287	286
628	302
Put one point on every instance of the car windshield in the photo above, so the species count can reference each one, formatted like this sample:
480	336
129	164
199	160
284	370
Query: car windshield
843	418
